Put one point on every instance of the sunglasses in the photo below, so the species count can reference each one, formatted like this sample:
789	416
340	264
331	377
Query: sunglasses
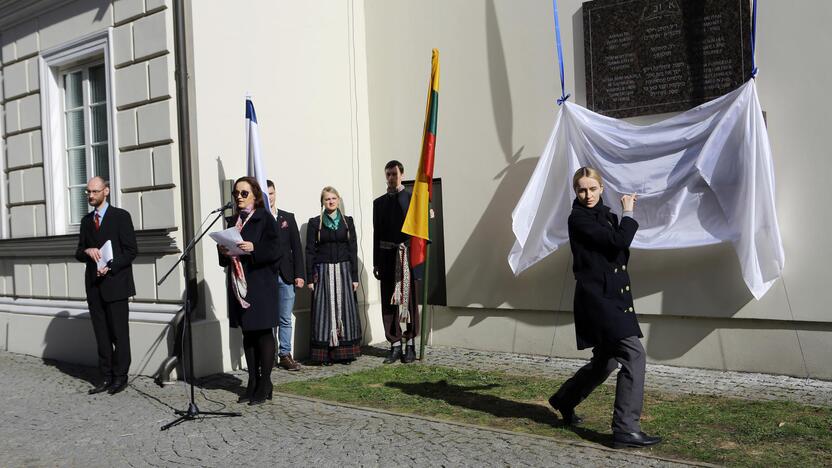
242	193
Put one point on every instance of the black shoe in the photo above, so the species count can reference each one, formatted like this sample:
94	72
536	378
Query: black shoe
633	439
409	354
252	385
264	392
119	384
395	355
102	387
567	414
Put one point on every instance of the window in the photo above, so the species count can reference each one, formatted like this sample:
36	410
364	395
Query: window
78	122
86	136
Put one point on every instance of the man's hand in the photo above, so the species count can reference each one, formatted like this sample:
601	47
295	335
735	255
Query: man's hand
246	246
299	282
222	250
377	273
354	286
93	253
311	286
103	271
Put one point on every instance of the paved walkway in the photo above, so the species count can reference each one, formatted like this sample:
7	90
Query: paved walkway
47	419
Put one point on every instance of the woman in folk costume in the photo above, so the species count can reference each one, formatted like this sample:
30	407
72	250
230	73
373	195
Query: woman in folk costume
332	267
605	318
252	290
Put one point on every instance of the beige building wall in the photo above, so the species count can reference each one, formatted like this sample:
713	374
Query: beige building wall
303	64
42	300
497	107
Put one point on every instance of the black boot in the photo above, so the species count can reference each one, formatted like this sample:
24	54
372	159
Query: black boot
264	391
252	385
395	354
409	354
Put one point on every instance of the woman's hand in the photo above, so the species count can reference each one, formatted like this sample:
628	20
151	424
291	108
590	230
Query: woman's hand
311	286
354	286
246	246
222	250
628	202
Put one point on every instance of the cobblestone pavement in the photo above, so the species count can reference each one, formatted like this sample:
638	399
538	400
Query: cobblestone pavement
47	419
746	385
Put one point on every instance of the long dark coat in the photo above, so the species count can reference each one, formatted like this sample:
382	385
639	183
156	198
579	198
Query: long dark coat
260	268
604	312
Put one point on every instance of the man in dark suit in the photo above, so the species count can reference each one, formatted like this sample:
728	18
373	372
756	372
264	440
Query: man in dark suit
110	286
389	212
291	272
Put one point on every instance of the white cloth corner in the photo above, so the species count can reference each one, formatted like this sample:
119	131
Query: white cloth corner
702	177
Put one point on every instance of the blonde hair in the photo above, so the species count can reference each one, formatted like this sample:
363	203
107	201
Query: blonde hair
332	190
586	172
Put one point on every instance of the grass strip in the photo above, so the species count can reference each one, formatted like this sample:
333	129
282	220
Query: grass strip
710	429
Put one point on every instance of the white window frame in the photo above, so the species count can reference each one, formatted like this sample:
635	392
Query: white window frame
54	63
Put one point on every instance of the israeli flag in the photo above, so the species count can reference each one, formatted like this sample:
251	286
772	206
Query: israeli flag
253	154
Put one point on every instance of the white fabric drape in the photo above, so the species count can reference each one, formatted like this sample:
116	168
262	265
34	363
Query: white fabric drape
702	177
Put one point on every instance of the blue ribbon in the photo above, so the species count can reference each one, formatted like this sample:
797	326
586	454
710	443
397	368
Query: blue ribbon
753	38
563	95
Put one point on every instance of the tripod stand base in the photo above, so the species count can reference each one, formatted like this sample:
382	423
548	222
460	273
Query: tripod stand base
192	412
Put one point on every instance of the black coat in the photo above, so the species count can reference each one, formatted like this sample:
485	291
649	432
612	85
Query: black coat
260	270
604	312
336	246
389	212
290	265
116	227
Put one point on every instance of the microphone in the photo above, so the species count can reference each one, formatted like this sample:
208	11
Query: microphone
223	208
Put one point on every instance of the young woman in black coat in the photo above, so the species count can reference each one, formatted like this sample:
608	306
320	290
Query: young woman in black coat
252	289
605	318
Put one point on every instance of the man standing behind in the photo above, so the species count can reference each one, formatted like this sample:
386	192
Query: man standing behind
391	265
110	286
290	276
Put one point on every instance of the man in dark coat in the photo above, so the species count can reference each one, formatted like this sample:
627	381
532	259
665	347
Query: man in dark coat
605	318
291	274
108	286
389	212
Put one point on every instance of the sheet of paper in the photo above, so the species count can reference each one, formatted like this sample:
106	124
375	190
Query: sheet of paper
106	254
229	239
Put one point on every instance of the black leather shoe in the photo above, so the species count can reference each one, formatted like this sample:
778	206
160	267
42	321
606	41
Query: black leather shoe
633	439
395	355
102	387
409	354
119	384
252	385
567	414
264	392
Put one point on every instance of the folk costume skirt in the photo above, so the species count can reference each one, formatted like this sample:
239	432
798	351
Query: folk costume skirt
336	327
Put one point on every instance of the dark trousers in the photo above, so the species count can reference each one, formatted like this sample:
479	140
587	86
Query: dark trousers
112	333
629	388
389	312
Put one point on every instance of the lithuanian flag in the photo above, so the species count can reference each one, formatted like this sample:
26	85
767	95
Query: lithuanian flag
418	214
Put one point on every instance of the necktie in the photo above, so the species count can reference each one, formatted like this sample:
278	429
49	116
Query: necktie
97	221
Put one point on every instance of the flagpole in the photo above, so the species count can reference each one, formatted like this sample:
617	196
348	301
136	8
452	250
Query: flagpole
423	316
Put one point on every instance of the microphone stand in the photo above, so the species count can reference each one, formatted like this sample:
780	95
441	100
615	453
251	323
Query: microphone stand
193	411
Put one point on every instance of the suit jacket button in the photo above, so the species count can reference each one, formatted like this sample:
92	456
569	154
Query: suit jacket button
624	267
627	288
621	291
630	309
615	270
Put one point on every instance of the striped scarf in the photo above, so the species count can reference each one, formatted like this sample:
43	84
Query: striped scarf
238	276
401	294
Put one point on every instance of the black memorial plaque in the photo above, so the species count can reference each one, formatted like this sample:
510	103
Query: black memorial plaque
654	56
